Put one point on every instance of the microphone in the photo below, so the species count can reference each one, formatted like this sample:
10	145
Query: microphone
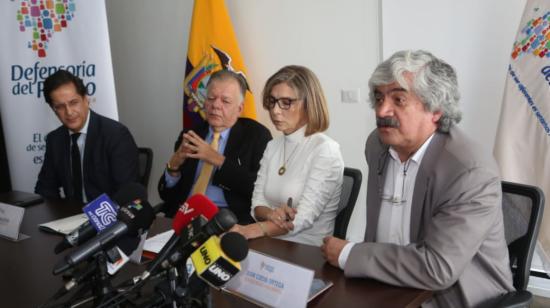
132	220
86	231
83	233
217	261
196	206
222	222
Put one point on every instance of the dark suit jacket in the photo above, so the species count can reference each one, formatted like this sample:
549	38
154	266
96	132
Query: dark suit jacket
456	231
110	160
243	151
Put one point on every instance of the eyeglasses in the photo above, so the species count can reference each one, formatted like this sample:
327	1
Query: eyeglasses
393	199
396	200
284	102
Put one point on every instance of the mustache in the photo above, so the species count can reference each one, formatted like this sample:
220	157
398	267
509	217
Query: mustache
387	122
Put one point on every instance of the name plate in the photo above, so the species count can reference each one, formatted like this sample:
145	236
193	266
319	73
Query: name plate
10	222
269	281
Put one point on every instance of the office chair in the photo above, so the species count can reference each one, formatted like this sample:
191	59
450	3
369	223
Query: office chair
145	157
522	206
350	191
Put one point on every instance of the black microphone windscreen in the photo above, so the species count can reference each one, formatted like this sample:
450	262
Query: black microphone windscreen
130	192
234	245
136	216
225	219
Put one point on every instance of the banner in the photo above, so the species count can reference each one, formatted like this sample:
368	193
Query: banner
39	37
522	146
212	46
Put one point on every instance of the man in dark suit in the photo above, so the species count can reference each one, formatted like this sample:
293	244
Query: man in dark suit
89	154
225	175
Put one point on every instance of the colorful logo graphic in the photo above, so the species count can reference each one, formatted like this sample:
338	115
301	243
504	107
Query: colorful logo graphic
536	38
136	204
43	18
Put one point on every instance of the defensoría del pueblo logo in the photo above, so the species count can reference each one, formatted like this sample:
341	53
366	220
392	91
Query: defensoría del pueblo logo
44	18
535	38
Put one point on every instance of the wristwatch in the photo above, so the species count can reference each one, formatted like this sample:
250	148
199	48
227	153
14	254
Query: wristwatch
170	169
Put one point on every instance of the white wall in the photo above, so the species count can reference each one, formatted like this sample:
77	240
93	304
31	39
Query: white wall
149	47
474	36
338	40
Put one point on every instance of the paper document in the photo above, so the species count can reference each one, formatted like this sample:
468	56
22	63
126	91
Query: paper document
64	225
318	286
155	243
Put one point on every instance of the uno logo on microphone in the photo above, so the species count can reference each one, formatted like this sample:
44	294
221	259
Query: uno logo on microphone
204	254
101	212
212	265
219	272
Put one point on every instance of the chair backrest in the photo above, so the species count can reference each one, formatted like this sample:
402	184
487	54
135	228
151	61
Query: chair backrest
145	156
350	191
522	206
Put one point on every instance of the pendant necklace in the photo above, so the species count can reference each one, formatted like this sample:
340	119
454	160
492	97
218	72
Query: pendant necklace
282	170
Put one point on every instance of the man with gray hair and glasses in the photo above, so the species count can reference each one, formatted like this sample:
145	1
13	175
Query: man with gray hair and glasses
434	215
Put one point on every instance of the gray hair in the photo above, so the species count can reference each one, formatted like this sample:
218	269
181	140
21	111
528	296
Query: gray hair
226	74
434	82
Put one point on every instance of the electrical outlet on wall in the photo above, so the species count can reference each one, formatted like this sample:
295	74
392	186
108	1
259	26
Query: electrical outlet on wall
349	95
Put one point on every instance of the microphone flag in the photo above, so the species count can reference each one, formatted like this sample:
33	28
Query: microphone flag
212	264
101	212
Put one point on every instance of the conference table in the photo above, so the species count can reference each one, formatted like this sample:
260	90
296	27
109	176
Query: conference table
26	278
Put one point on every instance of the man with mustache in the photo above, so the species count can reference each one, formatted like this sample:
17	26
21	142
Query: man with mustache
434	215
220	158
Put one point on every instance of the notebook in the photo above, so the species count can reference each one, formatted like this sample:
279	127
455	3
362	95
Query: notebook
20	198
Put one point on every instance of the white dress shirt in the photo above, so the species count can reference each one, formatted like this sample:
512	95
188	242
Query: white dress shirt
313	179
81	143
213	192
394	220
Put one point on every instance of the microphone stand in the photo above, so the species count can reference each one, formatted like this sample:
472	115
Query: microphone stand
197	294
102	282
99	282
170	292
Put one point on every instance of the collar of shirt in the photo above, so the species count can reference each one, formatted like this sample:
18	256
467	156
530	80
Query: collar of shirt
297	136
395	216
223	138
84	129
418	155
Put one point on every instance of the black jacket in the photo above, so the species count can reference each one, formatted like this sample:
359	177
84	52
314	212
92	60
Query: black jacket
243	151
110	160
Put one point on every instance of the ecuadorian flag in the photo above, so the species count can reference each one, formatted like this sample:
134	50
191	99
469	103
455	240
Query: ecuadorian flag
212	46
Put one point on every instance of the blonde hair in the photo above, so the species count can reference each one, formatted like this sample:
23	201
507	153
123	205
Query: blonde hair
308	88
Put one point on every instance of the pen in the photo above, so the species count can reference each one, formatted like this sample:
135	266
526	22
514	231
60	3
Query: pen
289	204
